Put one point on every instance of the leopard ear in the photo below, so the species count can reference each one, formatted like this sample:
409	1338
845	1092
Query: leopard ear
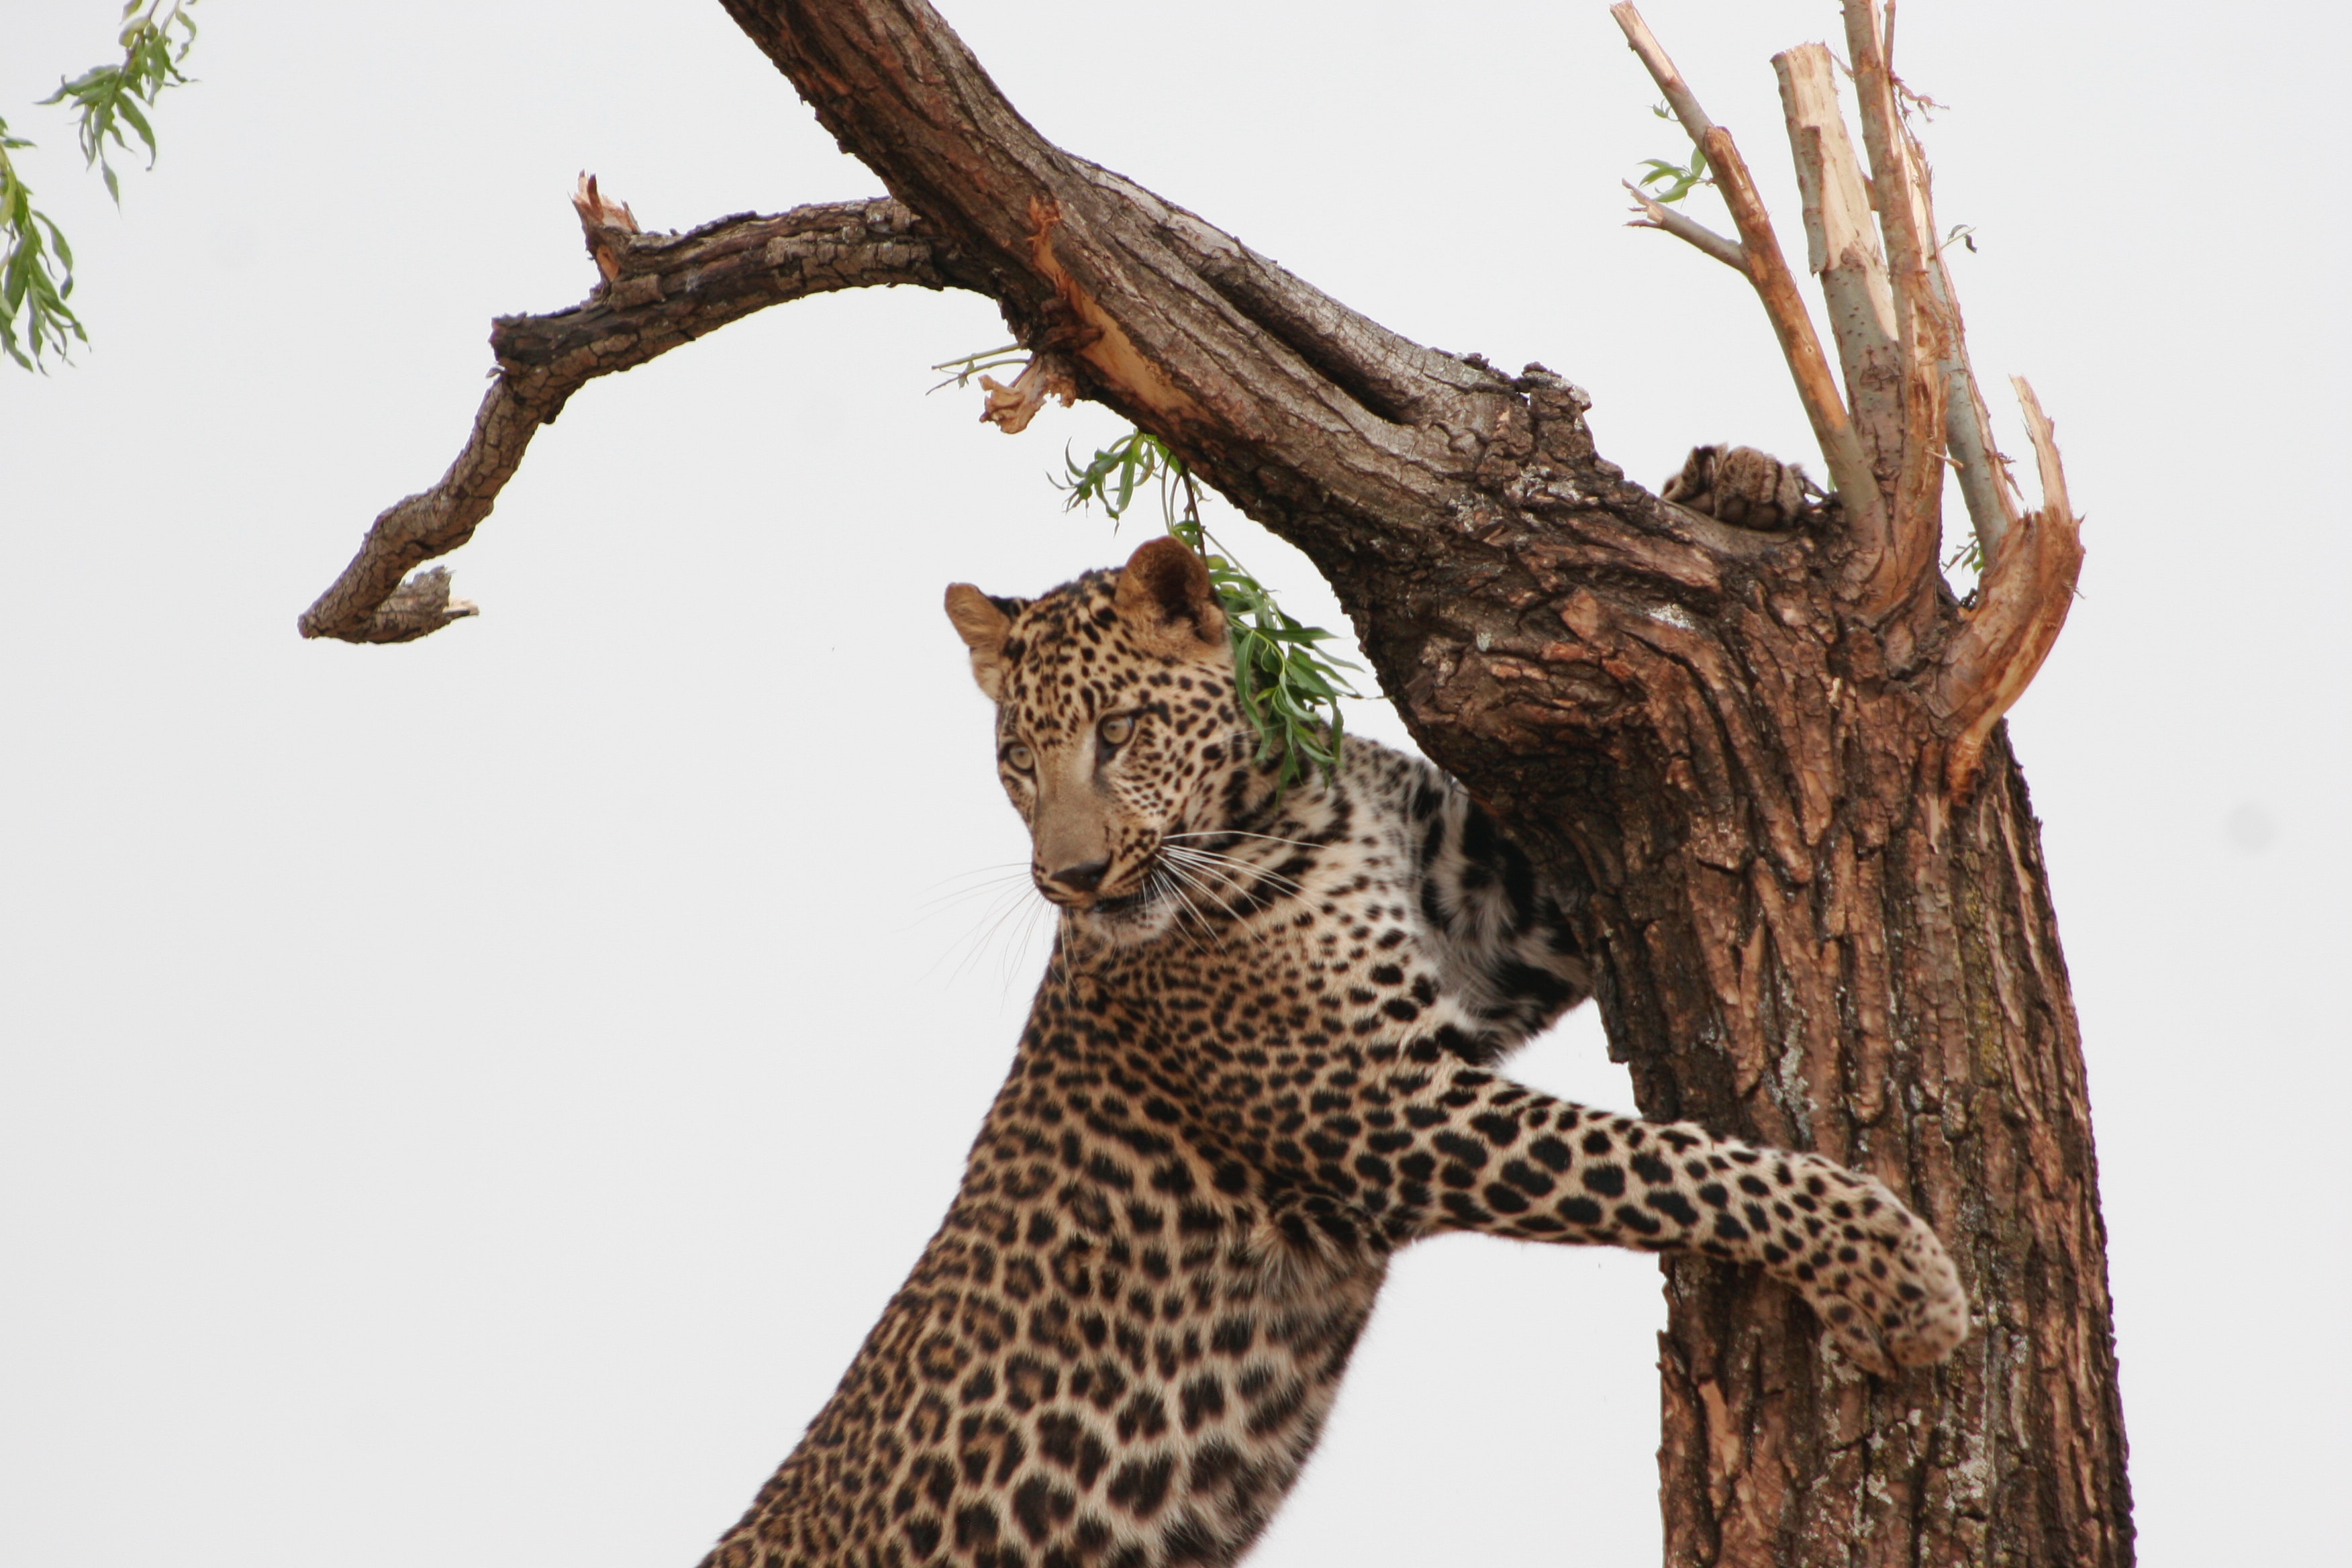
982	623
1165	597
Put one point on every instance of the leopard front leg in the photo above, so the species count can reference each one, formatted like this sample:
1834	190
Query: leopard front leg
1466	1149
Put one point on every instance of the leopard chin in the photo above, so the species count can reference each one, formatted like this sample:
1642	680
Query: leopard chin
1127	920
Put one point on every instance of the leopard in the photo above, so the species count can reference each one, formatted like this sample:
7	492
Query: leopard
1264	1058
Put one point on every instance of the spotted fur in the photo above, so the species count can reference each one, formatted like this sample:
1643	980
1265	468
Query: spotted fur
1262	1061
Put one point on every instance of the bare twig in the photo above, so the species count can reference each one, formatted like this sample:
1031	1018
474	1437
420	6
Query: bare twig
657	292
1679	97
1768	269
2021	603
1984	484
1656	215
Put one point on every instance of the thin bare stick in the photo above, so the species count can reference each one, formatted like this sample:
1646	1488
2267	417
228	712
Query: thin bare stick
2021	603
1768	269
657	292
1984	484
1657	214
1679	97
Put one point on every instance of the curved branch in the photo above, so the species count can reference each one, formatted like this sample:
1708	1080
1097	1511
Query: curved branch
2021	603
658	291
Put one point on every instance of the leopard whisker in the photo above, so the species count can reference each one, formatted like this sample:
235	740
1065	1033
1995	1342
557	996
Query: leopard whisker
1175	869
976	942
1162	886
1238	878
1028	939
1237	833
1232	865
1233	915
1020	915
991	879
1236	894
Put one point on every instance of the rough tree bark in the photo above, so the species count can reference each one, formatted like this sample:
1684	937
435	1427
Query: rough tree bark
1771	757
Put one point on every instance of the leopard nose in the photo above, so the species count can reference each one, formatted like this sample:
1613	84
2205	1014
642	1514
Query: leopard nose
1083	879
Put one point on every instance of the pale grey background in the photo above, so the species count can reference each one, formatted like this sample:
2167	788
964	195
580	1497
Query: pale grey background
439	1121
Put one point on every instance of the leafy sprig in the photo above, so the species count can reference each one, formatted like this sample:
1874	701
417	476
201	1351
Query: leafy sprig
1289	688
1669	183
1673	181
33	282
155	39
35	262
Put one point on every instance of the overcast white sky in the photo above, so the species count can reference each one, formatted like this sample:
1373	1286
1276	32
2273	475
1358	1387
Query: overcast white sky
440	1086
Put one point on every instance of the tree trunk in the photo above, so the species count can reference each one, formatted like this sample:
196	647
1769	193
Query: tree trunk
1769	759
1801	938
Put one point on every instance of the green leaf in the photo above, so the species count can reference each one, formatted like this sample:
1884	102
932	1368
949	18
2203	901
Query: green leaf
130	108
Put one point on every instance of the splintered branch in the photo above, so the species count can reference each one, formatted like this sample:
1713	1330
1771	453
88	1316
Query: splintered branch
1768	270
654	292
1010	408
2021	603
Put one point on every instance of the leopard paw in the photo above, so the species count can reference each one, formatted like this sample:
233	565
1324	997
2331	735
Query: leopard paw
1874	1273
1744	487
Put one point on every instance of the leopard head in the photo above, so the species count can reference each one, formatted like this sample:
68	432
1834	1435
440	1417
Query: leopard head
1118	729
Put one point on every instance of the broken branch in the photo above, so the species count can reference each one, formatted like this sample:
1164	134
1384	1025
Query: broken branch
657	292
1010	408
1922	329
1842	249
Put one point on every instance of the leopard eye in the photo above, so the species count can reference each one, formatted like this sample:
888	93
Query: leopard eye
1020	757
1116	729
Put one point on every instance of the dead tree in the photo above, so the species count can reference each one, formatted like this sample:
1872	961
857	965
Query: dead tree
1766	739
